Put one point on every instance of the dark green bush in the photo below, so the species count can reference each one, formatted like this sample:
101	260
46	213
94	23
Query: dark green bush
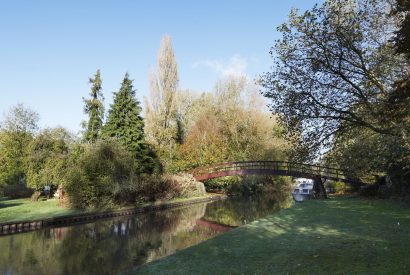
96	177
154	188
16	191
141	188
126	192
370	190
169	186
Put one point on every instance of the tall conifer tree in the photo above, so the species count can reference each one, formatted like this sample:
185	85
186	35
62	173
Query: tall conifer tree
125	124
94	107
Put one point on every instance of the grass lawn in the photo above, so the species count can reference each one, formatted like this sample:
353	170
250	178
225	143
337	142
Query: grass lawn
334	236
25	209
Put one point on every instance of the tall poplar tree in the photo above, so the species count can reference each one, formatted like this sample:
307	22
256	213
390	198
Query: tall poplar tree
94	107
125	124
162	118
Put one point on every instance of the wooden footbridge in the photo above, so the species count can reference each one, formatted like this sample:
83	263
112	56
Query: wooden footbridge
281	168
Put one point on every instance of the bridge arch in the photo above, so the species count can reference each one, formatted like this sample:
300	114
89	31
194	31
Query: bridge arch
279	168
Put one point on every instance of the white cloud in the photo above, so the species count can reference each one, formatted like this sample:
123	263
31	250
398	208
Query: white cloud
236	65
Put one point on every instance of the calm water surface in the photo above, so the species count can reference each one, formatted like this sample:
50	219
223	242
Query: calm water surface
114	245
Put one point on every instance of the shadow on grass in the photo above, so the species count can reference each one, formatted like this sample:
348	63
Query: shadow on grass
5	205
319	237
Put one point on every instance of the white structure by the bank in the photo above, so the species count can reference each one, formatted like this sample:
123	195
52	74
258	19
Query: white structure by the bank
303	190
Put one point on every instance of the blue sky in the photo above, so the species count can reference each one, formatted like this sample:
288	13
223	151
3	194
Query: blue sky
49	49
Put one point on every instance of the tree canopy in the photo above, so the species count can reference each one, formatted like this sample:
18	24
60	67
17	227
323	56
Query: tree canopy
16	132
20	119
334	70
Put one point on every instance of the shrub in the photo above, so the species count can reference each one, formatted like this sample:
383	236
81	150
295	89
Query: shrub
170	186
126	192
370	190
154	188
185	185
337	187
139	188
95	177
105	174
16	191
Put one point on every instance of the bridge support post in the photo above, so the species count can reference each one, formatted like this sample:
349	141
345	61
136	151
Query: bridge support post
319	188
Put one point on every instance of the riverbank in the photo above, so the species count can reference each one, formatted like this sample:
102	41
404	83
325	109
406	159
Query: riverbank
23	214
339	235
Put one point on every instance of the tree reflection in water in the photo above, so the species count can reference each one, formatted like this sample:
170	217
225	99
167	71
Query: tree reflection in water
110	246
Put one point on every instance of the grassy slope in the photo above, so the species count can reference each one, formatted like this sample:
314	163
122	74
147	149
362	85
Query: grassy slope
336	236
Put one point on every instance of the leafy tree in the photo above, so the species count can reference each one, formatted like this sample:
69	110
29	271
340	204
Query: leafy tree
13	151
47	157
203	145
363	153
368	154
125	124
188	106
17	130
20	119
334	70
94	107
226	126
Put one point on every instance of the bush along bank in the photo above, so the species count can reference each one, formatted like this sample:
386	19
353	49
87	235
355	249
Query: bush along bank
105	175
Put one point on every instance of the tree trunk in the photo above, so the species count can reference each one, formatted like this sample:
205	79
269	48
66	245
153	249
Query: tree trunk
319	188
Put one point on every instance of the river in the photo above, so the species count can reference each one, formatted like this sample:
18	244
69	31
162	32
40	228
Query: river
114	245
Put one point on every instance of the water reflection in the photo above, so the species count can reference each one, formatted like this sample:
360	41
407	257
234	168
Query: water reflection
111	246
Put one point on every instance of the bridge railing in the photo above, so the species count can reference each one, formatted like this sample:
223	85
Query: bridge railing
282	166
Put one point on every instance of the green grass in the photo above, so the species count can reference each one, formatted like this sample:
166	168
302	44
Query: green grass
335	236
25	210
